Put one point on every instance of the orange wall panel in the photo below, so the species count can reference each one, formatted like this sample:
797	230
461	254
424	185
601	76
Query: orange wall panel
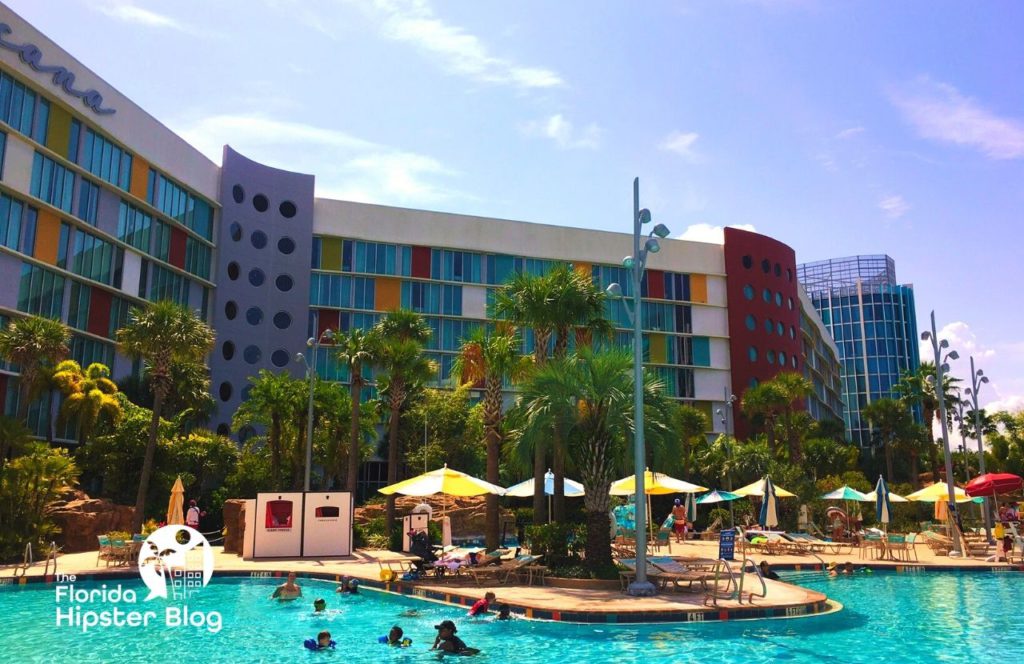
140	177
699	288
47	237
388	294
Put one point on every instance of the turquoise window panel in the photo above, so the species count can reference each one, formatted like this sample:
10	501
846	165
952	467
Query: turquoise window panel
702	351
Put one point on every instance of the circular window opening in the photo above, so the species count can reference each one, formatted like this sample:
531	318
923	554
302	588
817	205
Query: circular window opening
286	245
753	382
282	319
792	361
230	309
223	430
252	354
236	231
260	202
238	193
751	322
279	358
770	356
790	303
789	274
748	261
748	292
256	277
259	239
225	391
766	266
782	359
227	350
780	329
254	315
284	283
792	332
752	354
766	295
287	209
778	270
233	270
778	299
768	325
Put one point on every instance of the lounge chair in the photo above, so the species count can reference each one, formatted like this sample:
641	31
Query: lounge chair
503	572
676	572
817	545
120	551
711	532
971	546
104	551
1017	550
938	543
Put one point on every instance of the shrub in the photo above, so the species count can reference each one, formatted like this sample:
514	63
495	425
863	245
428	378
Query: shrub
28	484
559	543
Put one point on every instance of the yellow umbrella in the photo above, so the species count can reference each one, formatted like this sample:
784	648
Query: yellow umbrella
655	484
443	480
938	491
175	516
757	489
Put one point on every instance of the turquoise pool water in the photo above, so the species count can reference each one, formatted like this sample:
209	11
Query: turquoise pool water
888	618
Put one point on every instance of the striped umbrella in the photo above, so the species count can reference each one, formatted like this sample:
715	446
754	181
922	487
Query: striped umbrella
691	508
882	506
769	517
717	496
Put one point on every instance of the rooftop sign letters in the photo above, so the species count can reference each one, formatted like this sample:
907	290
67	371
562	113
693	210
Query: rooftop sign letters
31	55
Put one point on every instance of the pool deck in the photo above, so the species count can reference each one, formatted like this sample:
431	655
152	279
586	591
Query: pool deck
547	602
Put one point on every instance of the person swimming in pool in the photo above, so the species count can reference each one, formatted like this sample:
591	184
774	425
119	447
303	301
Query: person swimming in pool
320	605
446	640
504	612
323	641
287	591
396	638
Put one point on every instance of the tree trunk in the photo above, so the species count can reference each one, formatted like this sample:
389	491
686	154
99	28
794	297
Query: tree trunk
396	404
598	547
540	504
558	469
492	535
23	401
888	462
352	476
147	462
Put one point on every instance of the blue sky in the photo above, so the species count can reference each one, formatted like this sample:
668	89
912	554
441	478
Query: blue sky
839	128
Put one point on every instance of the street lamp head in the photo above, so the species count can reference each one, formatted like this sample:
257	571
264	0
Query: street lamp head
945	368
614	291
328	334
652	246
310	341
299	357
979	372
662	231
926	335
953	355
627	262
984	379
968	391
718	411
944	344
645	216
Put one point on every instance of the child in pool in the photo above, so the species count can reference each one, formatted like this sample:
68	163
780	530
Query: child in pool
504	612
320	605
323	641
395	638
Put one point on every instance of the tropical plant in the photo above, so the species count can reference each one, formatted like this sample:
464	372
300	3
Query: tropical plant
89	396
14	438
591	393
891	419
918	388
404	367
355	350
34	344
763	404
331	430
443	426
273	400
189	398
489	359
693	425
162	334
28	484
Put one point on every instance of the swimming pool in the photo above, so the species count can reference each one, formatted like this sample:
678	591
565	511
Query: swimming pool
887	618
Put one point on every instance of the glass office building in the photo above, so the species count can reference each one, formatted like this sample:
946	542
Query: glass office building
873	321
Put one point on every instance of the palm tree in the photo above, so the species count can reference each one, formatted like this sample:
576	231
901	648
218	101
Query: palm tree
402	335
892	419
356	349
763	404
525	300
89	396
491	359
693	425
795	421
271	402
162	334
14	437
592	392
918	387
34	344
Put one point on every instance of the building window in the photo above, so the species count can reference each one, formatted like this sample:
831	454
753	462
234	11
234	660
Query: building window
769	325
766	266
752	353
40	292
133	226
751	322
18	108
168	285
92	257
11	222
52	182
197	257
259	239
106	160
748	261
252	354
748	292
256	277
766	295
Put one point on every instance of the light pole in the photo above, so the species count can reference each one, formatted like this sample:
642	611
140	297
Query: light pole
940	395
977	378
725	416
313	343
636	263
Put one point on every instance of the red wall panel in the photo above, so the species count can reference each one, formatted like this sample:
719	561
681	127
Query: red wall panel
177	248
421	262
656	284
99	312
326	320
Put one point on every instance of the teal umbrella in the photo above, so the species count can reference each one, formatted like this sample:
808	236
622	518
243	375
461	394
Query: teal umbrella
845	493
717	497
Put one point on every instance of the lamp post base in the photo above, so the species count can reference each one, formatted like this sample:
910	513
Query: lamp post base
641	589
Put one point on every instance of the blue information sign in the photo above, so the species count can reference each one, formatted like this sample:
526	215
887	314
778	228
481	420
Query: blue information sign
726	544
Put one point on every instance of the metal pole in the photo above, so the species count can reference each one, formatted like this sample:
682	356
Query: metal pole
976	385
309	417
940	397
641	587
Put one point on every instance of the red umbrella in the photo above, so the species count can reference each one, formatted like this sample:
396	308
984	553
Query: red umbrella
992	484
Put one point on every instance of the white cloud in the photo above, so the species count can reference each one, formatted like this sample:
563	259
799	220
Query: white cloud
460	52
939	112
708	233
564	134
1011	404
849	133
129	12
894	206
346	166
680	143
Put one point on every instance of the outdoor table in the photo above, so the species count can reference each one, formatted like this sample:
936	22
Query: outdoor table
539	571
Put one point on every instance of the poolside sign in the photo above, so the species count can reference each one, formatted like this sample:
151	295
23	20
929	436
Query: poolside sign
726	544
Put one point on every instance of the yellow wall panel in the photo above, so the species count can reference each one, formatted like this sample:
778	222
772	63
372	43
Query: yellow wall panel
330	253
140	177
58	131
583	268
47	237
387	294
658	353
699	288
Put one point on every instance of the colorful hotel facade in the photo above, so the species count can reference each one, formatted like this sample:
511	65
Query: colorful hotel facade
103	208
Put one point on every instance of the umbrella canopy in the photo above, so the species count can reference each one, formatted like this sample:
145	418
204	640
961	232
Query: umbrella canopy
991	484
717	496
938	492
175	515
757	488
883	509
656	484
443	480
893	498
769	517
691	507
844	493
525	489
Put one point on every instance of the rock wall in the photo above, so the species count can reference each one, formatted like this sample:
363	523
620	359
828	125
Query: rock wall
82	519
234	525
